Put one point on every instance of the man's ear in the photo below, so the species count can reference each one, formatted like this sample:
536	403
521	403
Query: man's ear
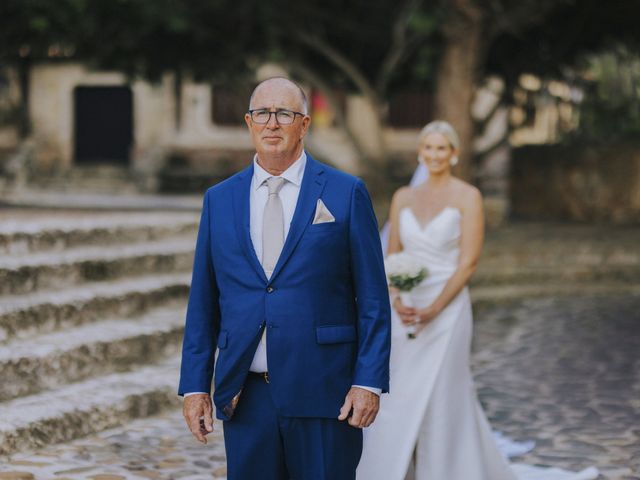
247	120
306	121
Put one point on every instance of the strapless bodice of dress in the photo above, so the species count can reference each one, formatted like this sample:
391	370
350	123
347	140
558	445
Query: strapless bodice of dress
437	244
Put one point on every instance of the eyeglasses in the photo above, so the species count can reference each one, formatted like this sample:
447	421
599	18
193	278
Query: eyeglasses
283	117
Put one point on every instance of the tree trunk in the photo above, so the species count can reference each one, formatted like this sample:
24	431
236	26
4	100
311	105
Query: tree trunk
24	77
177	97
456	80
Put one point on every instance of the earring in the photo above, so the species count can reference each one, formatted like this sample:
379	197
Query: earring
453	161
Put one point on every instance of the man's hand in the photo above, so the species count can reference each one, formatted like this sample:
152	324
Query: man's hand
365	405
198	413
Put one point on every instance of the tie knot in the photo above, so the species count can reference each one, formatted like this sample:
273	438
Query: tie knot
274	184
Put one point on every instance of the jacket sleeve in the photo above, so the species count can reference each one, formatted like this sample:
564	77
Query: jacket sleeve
203	314
372	296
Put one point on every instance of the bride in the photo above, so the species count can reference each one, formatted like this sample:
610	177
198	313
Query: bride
431	425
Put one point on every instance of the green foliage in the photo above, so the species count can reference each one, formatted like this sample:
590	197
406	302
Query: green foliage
225	39
147	38
139	37
364	33
407	283
611	109
38	29
546	45
567	44
214	39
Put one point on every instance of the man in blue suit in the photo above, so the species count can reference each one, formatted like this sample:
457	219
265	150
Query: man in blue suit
289	286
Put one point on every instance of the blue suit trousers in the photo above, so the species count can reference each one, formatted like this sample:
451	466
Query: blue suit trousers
262	445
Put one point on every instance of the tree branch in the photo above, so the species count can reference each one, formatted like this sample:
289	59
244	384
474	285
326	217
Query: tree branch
318	82
461	14
517	18
502	142
399	46
342	62
481	123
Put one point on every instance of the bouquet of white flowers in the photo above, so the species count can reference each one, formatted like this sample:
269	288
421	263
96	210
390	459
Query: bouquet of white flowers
404	273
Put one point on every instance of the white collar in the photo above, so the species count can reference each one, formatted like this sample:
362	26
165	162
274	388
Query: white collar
292	174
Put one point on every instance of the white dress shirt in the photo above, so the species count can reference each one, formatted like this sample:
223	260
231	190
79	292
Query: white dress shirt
257	200
258	197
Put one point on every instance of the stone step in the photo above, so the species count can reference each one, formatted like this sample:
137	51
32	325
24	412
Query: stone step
554	250
24	316
21	274
514	273
91	178
82	408
492	295
52	360
82	202
29	233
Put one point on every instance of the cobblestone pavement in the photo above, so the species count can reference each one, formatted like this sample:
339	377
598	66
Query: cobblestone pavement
564	372
154	448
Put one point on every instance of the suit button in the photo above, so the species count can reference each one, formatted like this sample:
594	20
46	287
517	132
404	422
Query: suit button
270	289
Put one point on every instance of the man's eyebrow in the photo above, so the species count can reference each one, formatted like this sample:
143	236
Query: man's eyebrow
277	109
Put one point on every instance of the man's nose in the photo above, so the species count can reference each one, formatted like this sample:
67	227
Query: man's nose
273	123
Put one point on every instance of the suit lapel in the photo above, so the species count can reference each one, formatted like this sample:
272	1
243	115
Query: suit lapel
241	196
313	183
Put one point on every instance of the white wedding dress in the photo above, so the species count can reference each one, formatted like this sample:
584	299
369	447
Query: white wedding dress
431	426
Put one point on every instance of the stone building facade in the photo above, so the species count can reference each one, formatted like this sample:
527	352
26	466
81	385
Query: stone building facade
81	117
169	136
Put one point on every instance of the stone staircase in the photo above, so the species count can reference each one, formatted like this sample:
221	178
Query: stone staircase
91	178
91	318
529	260
92	307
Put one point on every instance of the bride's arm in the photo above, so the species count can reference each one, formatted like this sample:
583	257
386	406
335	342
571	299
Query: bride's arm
399	200
472	235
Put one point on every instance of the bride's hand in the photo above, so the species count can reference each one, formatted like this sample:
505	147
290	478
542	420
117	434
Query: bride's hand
408	315
426	315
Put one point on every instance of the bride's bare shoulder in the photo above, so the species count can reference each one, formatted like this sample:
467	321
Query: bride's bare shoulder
466	193
402	197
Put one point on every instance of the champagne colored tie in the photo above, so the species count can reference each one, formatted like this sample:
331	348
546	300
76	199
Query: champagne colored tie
272	226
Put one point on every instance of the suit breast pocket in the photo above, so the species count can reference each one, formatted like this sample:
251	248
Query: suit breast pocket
324	249
323	228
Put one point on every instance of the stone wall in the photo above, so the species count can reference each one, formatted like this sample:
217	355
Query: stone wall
585	183
51	110
191	170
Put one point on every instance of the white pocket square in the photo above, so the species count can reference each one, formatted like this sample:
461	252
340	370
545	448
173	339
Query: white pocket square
323	215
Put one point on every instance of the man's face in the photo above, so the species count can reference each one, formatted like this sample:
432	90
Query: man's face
273	140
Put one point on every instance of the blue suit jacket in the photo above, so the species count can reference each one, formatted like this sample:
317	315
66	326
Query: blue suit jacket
325	308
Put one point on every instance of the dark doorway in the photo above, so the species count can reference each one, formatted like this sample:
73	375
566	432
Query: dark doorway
103	125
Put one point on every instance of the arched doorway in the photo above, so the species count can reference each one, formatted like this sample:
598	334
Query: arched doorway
103	125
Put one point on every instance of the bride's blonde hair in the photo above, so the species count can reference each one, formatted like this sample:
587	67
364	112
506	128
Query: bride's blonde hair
443	128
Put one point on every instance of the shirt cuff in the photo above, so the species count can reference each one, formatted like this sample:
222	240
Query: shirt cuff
377	391
194	393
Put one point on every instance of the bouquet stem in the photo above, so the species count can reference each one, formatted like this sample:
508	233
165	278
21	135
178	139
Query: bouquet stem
405	298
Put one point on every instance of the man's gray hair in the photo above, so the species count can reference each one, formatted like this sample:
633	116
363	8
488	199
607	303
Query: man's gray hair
443	128
303	96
